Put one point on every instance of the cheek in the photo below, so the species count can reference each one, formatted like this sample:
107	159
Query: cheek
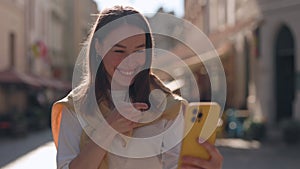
141	59
111	61
110	65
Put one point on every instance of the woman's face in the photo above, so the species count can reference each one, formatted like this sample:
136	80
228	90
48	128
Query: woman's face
123	59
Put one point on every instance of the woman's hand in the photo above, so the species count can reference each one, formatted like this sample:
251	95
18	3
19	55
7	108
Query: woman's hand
124	125
215	161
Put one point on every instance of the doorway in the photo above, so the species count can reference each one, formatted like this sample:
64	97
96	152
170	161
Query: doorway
284	74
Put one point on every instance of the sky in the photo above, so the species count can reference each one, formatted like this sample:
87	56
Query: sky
147	6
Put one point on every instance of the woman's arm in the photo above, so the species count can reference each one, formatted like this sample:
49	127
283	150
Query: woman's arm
91	155
69	154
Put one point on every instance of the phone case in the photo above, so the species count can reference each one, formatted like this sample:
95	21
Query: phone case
201	119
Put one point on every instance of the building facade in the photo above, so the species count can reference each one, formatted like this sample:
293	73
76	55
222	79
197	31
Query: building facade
54	30
12	49
12	32
229	27
80	18
35	62
44	34
278	63
264	62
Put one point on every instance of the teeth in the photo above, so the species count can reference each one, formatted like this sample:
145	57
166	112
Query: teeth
128	73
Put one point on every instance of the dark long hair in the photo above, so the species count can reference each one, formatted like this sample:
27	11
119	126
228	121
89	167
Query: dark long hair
108	20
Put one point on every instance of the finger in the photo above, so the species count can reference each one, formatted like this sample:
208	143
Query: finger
194	161
136	105
211	149
122	120
140	106
216	158
115	112
184	166
134	125
130	110
124	126
132	107
190	167
133	116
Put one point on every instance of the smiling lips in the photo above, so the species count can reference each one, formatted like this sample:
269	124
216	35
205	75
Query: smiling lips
127	72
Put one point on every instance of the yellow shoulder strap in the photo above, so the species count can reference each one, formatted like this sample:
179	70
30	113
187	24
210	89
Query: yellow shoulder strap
173	107
56	114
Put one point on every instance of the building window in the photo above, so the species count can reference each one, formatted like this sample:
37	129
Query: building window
231	4
12	49
31	13
222	13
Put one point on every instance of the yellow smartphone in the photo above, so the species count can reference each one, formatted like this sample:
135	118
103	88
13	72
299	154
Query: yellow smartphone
201	120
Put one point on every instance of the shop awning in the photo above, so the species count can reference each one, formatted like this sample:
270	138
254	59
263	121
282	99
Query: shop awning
55	83
13	77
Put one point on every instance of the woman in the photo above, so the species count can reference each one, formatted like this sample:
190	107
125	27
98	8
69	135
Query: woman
119	60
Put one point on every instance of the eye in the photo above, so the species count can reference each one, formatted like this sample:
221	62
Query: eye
140	51
119	51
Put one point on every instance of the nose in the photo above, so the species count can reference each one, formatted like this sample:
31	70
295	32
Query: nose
132	60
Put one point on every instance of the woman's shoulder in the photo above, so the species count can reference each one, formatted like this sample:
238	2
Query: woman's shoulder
65	104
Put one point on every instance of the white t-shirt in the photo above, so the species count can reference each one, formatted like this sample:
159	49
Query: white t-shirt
71	130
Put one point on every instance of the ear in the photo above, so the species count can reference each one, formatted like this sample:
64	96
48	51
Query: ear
98	47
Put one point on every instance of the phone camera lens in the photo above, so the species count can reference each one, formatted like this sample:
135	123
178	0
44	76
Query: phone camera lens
195	111
199	115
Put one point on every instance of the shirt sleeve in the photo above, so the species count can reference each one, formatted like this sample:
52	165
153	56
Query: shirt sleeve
172	142
69	139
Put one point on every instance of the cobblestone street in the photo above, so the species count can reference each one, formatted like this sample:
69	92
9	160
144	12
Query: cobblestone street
37	151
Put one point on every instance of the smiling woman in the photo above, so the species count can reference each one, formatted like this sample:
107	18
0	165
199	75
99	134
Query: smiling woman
125	59
118	67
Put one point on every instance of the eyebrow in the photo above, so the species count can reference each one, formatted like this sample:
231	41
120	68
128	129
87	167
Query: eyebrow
139	46
122	46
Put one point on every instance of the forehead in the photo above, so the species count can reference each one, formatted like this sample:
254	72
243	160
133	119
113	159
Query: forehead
125	34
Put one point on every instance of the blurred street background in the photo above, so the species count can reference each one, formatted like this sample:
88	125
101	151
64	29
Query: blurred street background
257	42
